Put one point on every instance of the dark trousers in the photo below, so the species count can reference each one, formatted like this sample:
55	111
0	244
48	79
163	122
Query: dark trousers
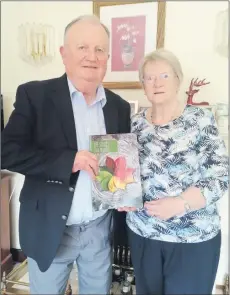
174	268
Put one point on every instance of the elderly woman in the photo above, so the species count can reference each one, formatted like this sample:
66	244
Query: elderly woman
175	239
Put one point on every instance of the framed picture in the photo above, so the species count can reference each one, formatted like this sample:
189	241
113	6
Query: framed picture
211	108
136	28
134	107
142	108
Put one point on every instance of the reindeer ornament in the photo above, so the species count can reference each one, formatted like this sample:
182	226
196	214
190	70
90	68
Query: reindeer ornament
191	91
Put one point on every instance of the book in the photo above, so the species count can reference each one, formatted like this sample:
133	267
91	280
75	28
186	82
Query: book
118	182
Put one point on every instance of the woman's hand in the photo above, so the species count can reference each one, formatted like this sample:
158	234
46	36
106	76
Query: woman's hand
165	208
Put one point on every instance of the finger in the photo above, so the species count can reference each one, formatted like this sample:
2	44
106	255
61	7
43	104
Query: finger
91	172
153	212
150	213
121	209
124	208
94	166
160	217
153	202
76	167
94	170
127	209
132	208
150	205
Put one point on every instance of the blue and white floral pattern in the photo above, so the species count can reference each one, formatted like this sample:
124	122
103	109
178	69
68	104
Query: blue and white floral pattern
186	152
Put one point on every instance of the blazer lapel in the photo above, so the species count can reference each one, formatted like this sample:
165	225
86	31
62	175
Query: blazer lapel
110	115
62	101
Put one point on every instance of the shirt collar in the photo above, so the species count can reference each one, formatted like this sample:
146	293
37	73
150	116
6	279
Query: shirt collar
100	95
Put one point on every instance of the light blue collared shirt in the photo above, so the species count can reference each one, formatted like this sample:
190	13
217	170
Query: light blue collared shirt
89	120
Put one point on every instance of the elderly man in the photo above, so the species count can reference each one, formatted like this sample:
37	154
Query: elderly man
47	140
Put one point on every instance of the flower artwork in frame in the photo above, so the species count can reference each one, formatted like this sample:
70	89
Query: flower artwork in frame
128	43
136	28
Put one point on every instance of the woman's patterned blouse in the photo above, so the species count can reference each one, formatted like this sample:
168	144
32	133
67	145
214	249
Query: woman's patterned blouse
185	153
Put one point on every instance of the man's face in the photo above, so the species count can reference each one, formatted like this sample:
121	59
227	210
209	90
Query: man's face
86	52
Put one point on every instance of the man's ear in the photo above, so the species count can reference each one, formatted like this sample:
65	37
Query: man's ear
63	53
61	50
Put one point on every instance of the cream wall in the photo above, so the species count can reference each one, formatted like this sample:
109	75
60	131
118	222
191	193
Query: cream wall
190	28
190	37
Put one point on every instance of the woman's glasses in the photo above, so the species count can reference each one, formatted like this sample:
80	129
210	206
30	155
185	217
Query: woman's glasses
151	79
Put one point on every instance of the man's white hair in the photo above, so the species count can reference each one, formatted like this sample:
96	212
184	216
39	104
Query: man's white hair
90	18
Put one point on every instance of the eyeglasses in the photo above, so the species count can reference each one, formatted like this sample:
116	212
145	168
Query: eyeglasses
152	79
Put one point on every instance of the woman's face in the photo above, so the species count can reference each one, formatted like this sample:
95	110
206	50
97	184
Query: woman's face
160	82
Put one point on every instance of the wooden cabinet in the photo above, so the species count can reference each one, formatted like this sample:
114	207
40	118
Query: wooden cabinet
6	257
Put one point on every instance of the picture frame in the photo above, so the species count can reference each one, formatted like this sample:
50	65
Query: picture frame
134	106
141	108
211	108
136	28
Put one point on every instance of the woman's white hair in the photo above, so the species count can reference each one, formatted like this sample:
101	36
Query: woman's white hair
165	55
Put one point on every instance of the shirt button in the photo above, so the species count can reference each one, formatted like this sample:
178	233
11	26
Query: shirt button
71	189
64	217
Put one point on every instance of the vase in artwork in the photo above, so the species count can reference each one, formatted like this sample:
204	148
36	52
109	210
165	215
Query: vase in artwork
127	55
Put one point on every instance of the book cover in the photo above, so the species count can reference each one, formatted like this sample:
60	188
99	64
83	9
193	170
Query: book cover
118	182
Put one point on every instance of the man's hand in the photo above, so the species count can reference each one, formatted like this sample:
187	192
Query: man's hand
165	208
86	161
